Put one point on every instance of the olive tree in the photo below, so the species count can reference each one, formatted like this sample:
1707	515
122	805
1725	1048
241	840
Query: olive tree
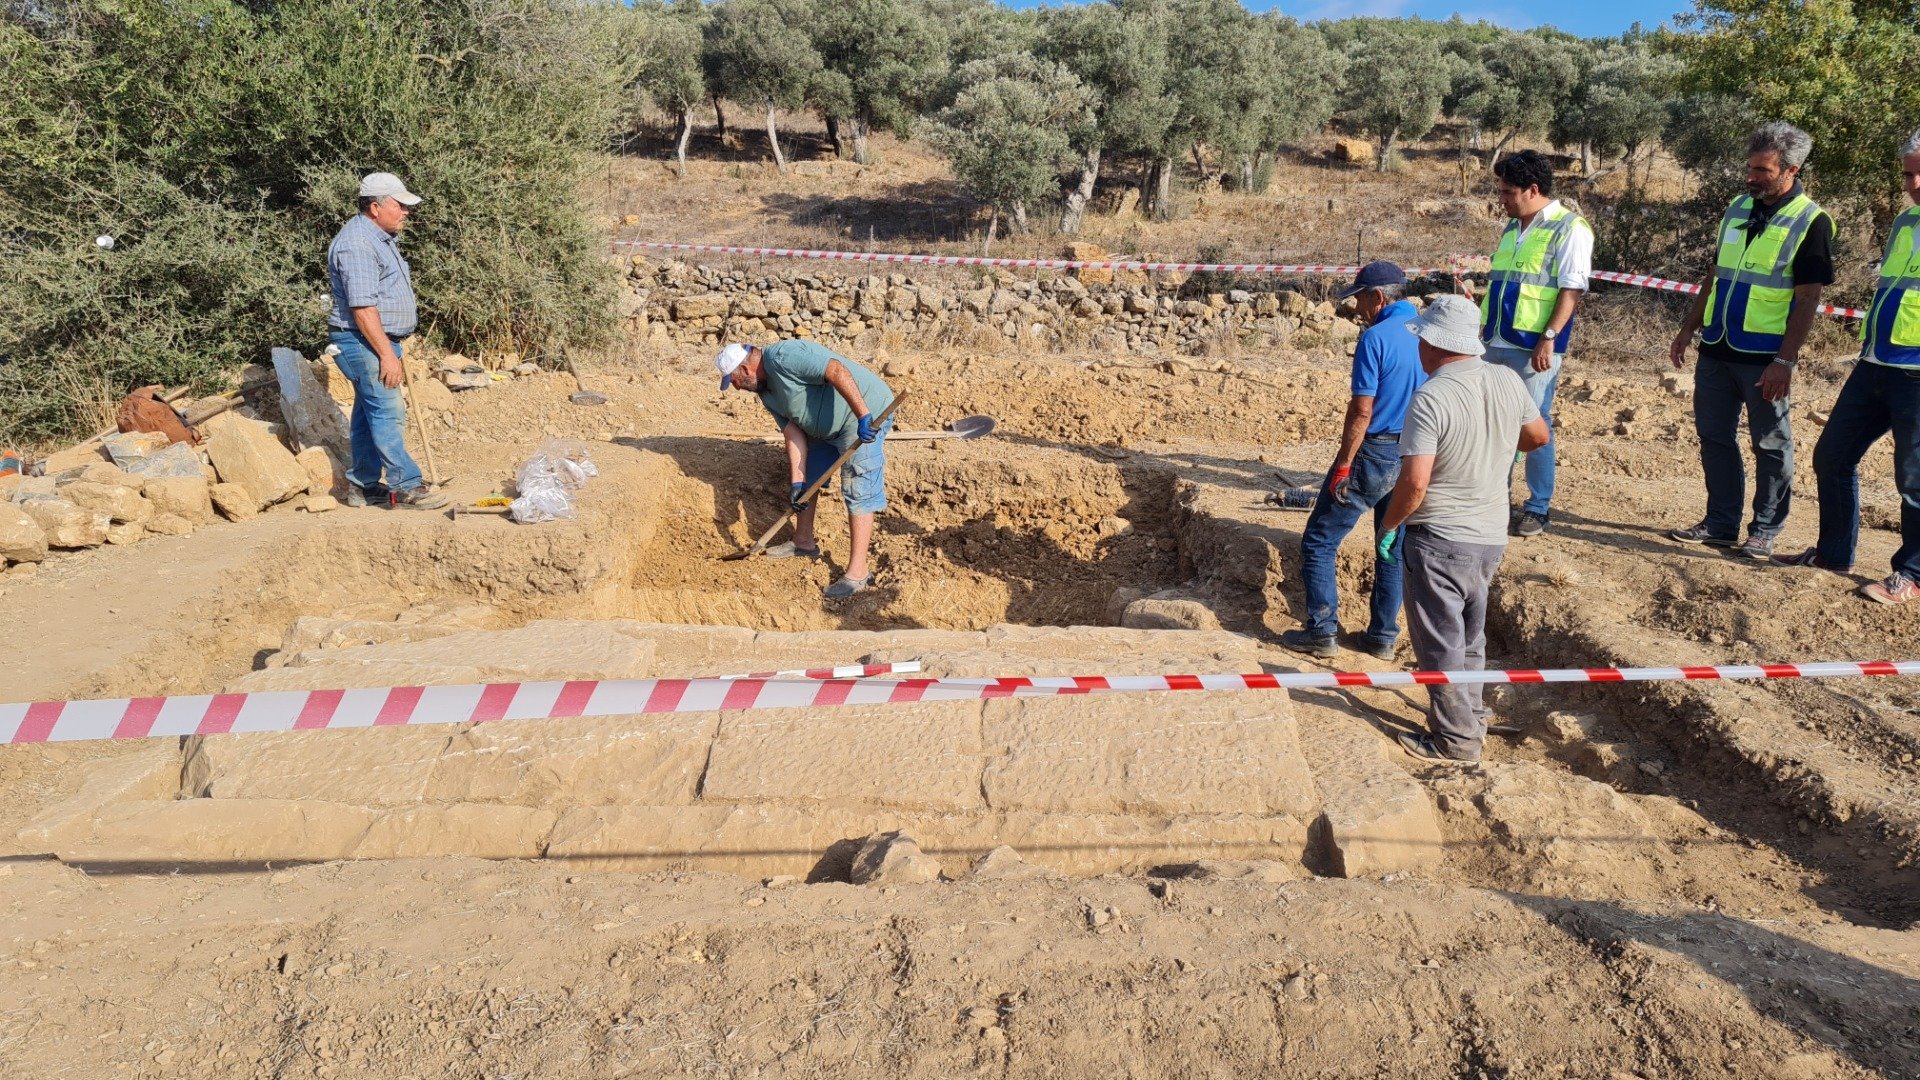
1524	81
671	73
1395	84
1007	132
759	57
892	54
1121	61
1622	104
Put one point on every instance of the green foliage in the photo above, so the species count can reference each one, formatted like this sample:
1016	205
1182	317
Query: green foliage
1623	102
1395	84
762	52
1122	60
1524	81
219	145
667	43
1007	131
1846	71
892	53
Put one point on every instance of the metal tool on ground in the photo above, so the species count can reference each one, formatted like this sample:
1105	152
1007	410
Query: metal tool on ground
813	489
489	511
208	408
966	428
581	395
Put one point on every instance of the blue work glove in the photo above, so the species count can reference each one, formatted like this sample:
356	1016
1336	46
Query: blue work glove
867	433
794	491
1386	546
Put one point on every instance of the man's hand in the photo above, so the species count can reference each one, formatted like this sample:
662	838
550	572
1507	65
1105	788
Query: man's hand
794	491
1385	549
1543	351
1339	481
1776	382
1678	352
866	428
391	373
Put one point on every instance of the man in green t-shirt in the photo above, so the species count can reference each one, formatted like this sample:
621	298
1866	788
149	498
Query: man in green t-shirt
824	403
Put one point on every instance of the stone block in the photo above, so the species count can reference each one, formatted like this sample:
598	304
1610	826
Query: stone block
66	525
128	448
537	651
1189	753
234	502
313	418
169	525
182	496
318	632
215	831
150	773
246	452
892	858
77	457
325	474
374	767
1374	819
122	535
21	537
179	460
123	505
111	475
654	760
1168	613
1355	151
319	504
466	829
908	757
705	306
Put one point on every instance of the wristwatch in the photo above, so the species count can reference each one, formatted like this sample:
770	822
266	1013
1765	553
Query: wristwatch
1784	362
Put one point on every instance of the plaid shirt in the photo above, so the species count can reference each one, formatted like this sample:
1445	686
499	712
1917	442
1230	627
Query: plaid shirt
366	270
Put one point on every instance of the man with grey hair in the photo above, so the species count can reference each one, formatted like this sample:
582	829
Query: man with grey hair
1752	317
373	310
1462	430
1881	395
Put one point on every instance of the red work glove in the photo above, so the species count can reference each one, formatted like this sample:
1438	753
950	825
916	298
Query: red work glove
1337	483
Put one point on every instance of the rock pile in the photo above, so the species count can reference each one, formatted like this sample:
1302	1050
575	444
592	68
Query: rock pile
135	485
1107	310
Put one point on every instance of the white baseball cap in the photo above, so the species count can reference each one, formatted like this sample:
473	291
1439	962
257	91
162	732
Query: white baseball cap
385	185
728	360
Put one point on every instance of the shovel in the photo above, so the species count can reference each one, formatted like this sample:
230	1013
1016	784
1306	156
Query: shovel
965	428
581	395
813	489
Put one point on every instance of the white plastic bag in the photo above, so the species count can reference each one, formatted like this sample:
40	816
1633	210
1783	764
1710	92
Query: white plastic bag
547	480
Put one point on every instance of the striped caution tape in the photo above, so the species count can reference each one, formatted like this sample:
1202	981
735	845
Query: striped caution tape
317	710
1455	263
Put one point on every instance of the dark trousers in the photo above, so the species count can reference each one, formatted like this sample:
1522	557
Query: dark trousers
1875	400
1720	391
1375	468
1447	584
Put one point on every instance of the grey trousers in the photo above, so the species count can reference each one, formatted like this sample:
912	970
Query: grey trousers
1446	588
1720	391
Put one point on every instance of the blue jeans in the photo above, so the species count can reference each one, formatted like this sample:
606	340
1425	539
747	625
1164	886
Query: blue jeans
1720	391
1375	468
1541	385
379	422
863	479
1875	400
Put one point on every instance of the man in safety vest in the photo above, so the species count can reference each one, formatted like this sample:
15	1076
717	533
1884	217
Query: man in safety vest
1539	273
1881	395
1752	316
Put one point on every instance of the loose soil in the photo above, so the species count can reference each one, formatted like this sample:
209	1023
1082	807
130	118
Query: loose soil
1640	881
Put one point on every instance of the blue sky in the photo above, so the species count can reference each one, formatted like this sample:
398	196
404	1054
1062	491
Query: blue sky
1583	17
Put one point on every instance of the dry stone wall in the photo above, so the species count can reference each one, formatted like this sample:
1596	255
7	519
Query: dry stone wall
1102	310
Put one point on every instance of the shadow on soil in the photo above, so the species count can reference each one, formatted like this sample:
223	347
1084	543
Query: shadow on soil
1864	1012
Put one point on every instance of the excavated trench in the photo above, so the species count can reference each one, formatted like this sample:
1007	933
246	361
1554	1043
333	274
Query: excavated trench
985	548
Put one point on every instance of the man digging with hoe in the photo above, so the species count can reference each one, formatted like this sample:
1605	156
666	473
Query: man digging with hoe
824	404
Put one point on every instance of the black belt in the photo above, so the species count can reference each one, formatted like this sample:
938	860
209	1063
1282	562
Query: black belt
1385	436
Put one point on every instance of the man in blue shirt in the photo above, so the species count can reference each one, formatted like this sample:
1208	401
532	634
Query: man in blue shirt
373	310
824	403
1386	372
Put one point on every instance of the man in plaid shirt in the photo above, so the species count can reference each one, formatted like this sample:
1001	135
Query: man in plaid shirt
373	309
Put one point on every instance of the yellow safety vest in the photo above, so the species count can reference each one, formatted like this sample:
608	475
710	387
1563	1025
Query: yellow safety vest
1523	284
1752	292
1892	327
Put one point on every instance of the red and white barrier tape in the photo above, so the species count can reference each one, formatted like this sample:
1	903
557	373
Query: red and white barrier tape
850	671
1456	262
315	710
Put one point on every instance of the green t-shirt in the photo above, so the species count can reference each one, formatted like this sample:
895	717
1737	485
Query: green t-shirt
796	390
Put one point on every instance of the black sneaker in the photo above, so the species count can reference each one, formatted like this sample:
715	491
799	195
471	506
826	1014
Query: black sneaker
1758	548
1528	523
1300	641
366	496
1421	746
1699	535
1365	644
419	498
